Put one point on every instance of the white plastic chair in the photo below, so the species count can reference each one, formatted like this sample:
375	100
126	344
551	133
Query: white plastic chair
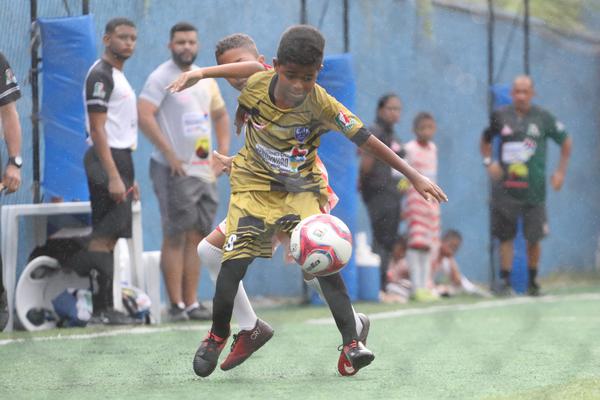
151	263
39	292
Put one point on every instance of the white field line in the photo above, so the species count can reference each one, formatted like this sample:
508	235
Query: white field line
321	321
468	307
111	333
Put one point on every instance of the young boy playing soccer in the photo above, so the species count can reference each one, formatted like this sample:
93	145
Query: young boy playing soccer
238	58
275	182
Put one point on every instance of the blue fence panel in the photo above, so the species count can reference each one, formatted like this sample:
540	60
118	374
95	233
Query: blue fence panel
68	51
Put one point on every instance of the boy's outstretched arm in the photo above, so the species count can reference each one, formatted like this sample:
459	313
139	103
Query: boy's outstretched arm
424	186
242	69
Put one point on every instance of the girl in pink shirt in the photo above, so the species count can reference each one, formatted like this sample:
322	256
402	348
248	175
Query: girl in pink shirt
422	217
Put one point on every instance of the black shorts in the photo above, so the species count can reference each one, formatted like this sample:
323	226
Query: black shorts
506	211
384	211
109	219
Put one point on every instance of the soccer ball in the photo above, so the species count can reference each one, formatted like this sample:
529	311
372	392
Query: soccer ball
321	244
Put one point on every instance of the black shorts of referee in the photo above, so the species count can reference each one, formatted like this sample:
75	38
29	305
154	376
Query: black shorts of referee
109	218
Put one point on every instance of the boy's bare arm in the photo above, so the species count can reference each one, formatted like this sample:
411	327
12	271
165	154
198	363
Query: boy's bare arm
422	184
242	69
558	177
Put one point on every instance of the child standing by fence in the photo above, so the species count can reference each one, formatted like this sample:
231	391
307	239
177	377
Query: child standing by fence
422	217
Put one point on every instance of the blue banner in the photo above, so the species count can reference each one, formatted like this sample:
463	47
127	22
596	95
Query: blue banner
68	51
340	155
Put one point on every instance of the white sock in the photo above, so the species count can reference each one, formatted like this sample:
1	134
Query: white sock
211	257
314	283
412	258
358	322
425	267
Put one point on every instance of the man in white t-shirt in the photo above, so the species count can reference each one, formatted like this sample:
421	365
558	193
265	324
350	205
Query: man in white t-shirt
182	171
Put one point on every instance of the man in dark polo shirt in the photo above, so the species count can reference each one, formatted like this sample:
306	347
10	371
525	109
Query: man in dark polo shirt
519	175
111	119
378	183
11	129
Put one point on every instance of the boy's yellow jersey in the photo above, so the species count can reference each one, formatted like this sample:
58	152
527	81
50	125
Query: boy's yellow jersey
280	147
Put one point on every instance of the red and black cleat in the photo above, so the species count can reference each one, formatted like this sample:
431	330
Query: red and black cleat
353	357
207	355
247	342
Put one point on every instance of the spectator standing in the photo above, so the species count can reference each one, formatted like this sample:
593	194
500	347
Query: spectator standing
519	176
422	217
378	183
181	167
111	122
11	128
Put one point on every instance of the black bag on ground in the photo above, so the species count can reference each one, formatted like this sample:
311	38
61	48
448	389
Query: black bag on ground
62	249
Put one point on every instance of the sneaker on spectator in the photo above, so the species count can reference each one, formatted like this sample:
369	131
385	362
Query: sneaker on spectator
199	313
534	289
177	313
113	317
503	289
424	296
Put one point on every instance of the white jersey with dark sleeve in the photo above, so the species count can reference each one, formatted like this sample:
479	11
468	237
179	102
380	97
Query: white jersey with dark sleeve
9	87
108	91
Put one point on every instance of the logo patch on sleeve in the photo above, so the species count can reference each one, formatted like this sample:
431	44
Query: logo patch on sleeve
10	77
99	90
344	122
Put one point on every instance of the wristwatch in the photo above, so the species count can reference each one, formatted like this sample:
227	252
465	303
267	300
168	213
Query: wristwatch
487	161
17	161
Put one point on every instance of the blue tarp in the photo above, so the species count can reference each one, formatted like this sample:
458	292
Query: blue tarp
68	51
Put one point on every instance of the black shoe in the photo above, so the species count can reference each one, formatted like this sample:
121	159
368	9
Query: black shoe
177	314
353	357
503	289
113	317
534	290
199	313
207	355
